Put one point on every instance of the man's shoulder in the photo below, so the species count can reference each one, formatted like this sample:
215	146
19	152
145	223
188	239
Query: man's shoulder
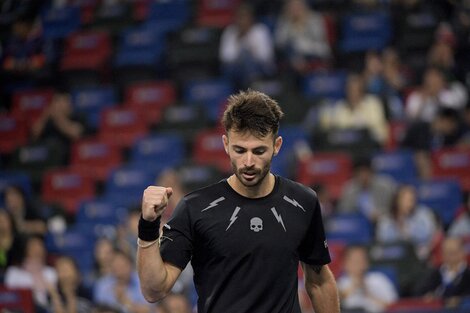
209	193
292	187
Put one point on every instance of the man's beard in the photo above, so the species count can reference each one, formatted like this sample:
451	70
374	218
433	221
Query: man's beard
251	176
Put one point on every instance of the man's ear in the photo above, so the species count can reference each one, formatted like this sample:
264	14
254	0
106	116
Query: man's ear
225	141
277	145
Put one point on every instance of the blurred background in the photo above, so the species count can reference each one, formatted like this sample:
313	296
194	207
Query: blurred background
101	98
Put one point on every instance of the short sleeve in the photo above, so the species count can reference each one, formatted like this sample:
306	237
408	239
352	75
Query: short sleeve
177	242
314	248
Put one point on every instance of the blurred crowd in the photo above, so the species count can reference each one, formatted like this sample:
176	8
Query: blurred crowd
404	88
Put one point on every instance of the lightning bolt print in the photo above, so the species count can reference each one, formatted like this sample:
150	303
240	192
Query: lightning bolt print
213	203
234	217
294	202
278	218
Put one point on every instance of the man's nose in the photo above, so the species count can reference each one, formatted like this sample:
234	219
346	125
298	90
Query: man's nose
249	159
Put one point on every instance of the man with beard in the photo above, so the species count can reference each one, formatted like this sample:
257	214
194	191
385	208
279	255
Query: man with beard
244	235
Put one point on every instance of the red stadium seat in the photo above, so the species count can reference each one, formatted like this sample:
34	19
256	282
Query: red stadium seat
13	133
150	98
408	304
330	169
30	104
16	300
216	13
66	187
452	163
209	150
122	126
94	158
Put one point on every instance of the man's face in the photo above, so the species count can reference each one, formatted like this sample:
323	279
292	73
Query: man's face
251	156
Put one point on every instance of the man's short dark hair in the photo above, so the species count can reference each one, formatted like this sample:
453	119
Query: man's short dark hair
252	111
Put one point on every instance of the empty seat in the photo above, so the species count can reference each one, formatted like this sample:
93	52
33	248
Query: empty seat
365	31
58	23
13	133
150	98
443	196
208	149
349	228
122	126
409	305
100	212
126	185
399	165
158	151
294	138
92	101
16	299
216	13
330	169
94	158
29	104
66	188
452	163
212	94
186	120
176	11
325	85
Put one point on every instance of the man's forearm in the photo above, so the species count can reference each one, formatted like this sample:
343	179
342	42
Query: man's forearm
325	298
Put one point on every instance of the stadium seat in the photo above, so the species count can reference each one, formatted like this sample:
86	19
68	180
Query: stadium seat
150	98
349	228
454	164
211	94
66	188
321	85
336	249
208	149
126	184
185	120
95	159
92	101
398	165
365	31
330	169
443	196
100	212
122	126
13	133
34	159
58	23
29	104
16	300
409	305
15	178
195	176
293	138
216	13
175	11
158	151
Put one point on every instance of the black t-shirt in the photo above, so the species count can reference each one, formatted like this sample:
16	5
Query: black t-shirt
245	252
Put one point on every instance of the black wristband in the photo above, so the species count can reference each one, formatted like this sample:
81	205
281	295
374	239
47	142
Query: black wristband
149	231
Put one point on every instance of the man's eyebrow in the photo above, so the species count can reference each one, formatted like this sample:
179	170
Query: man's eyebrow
255	148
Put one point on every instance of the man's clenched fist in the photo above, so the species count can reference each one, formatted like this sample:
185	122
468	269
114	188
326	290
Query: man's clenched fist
154	202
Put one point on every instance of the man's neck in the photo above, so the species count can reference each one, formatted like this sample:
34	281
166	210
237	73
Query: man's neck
261	190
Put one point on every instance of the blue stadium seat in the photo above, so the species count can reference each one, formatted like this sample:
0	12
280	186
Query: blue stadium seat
58	23
349	228
91	101
283	164
126	184
210	93
325	85
443	196
158	151
365	31
176	10
399	165
100	212
15	178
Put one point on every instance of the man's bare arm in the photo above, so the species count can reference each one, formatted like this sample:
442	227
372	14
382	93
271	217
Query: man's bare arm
321	288
156	277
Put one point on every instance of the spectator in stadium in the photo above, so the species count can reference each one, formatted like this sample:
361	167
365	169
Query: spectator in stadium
435	92
103	256
33	272
442	51
460	227
125	235
175	303
171	177
301	36
384	77
59	123
246	49
69	295
409	221
367	192
26	216
465	140
451	280
357	111
121	288
11	243
360	289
